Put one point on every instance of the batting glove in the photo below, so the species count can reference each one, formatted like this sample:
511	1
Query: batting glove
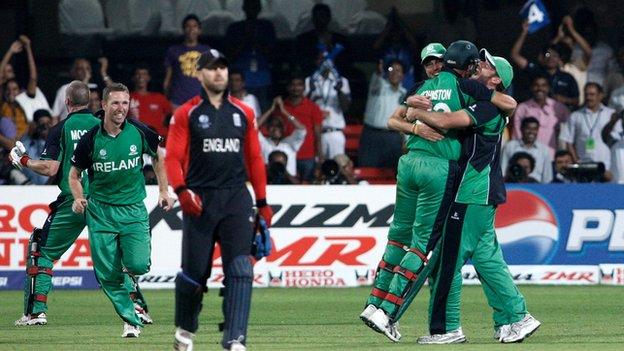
18	155
191	203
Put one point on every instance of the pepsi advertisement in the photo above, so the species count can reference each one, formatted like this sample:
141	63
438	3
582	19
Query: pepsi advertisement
562	224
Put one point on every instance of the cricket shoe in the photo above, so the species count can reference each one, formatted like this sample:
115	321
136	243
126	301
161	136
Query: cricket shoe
130	331
380	321
452	337
366	315
183	340
522	329
501	332
236	346
32	319
143	315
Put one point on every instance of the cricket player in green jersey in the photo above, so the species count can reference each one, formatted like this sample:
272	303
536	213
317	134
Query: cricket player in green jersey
119	234
62	226
469	229
426	181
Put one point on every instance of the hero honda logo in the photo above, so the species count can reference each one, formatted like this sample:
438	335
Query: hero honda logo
526	228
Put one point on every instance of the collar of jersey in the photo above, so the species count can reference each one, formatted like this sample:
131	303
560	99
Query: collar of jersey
204	94
83	111
105	133
451	71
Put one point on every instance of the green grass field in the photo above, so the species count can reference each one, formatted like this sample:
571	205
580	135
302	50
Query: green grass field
573	318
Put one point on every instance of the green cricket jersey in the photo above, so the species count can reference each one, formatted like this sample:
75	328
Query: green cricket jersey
448	92
482	181
115	164
62	141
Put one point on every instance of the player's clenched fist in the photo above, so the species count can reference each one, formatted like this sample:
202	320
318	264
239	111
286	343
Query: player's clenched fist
191	203
79	205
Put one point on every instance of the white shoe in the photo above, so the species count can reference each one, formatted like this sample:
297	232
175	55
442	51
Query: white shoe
366	315
143	315
452	337
522	329
130	331
236	346
39	319
502	332
392	332
183	340
379	321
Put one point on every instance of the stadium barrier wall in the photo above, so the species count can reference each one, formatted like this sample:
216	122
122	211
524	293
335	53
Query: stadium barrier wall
334	236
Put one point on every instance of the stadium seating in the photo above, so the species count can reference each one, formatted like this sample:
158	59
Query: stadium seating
375	175
82	17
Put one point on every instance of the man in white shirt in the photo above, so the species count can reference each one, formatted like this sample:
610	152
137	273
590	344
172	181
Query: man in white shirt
379	146
237	89
582	133
543	170
613	136
332	94
276	141
81	70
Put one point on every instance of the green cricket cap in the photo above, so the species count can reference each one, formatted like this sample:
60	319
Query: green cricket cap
432	50
501	65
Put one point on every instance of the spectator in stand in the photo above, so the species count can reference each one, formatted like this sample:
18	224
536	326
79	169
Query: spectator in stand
276	169
529	128
347	170
321	38
10	108
34	142
277	139
331	92
613	136
615	82
237	89
563	160
568	35
181	83
602	60
81	70
149	107
583	132
379	146
250	44
310	154
397	42
32	98
549	112
95	101
563	86
8	174
521	165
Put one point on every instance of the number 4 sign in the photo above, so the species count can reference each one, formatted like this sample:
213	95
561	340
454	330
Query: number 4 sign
535	13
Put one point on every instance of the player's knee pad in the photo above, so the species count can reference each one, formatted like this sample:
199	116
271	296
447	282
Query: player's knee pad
237	299
186	285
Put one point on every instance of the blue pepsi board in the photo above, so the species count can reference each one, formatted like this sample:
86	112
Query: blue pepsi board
536	14
556	224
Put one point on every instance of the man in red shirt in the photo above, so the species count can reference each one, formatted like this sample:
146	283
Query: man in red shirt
149	107
310	154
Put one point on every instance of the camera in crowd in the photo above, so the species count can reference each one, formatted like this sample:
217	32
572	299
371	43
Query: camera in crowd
588	172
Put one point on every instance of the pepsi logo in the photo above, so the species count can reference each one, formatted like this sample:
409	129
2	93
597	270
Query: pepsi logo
526	228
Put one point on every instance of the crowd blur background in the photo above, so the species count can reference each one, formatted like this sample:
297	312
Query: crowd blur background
323	77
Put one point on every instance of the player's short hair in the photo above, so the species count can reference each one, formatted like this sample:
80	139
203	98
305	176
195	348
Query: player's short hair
595	85
114	87
77	93
528	120
189	17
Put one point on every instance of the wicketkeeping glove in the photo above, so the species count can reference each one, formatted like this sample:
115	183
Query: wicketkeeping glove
18	155
262	240
191	203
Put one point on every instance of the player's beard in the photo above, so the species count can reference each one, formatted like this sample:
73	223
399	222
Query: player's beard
216	88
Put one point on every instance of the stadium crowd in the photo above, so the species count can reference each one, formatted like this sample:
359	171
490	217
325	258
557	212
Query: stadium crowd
571	129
